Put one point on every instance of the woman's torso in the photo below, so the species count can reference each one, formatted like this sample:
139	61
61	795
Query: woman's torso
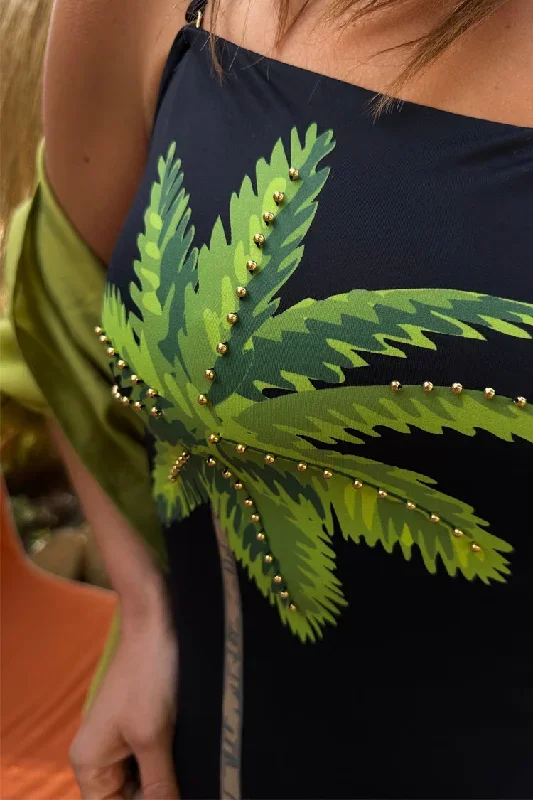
403	670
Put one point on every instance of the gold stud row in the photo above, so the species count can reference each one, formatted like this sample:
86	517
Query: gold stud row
457	388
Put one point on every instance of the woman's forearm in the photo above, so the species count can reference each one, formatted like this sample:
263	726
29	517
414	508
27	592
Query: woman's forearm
127	559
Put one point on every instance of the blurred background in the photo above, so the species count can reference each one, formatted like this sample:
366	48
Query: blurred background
56	606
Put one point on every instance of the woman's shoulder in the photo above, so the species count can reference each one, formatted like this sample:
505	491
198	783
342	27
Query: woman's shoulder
102	69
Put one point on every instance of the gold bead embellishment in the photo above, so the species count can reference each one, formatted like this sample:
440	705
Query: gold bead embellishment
237	485
410	506
292	607
172	478
249	502
521	402
284	595
232	319
277	579
268	559
211	462
382	493
427	386
202	400
213	438
475	548
278	198
457	388
489	393
209	374
255	517
301	466
121	364
251	266
125	400
294	174
241	292
138	406
396	386
222	348
155	412
111	352
269	459
98	330
268	217
114	390
152	393
327	474
135	380
260	536
227	474
434	518
357	484
185	456
457	532
104	339
240	448
259	240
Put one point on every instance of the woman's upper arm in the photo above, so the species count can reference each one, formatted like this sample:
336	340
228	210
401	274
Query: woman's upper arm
99	84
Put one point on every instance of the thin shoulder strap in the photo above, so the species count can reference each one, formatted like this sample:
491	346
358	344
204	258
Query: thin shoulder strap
195	12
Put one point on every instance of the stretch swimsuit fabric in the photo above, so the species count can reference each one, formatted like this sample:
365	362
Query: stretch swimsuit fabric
326	323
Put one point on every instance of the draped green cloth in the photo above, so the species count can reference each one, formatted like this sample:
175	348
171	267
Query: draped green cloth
53	363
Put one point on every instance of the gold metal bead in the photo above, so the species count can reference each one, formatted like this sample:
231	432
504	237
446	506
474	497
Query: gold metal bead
301	467
269	459
382	493
249	502
240	448
111	352
172	478
457	388
251	266
357	484
213	438
138	406
241	292
209	374
434	518
202	400
232	319
292	607
409	505
227	474
489	393
152	393
396	386
237	485
125	400
284	595
457	532
99	331
294	174
260	536
211	462
521	402
185	455
255	518
268	217
121	364
427	386
278	198
222	348
327	474
277	579
155	411
475	548
259	240
114	390
135	380
104	339
268	559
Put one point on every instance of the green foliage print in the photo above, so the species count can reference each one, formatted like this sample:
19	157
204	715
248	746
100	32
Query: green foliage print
205	340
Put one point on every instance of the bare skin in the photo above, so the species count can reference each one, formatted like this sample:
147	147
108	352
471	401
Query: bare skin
104	62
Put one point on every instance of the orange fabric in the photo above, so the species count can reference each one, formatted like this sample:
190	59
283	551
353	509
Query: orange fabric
52	635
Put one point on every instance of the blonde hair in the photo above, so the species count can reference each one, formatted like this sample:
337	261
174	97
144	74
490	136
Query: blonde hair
23	33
